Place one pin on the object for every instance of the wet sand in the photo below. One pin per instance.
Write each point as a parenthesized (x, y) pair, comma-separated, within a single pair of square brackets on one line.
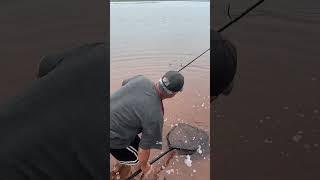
[(269, 127)]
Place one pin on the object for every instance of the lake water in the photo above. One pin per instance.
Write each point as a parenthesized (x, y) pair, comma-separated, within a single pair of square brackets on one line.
[(151, 38)]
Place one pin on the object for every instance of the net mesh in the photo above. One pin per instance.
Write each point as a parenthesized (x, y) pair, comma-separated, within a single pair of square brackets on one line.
[(187, 138)]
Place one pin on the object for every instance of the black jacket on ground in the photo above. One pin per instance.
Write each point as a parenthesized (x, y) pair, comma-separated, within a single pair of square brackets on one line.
[(56, 128)]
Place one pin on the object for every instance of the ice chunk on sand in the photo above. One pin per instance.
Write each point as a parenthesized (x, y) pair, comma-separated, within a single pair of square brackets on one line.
[(199, 150), (170, 171), (202, 105), (268, 117), (188, 161), (194, 171), (300, 115)]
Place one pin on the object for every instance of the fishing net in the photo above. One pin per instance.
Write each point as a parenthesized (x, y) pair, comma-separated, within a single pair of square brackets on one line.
[(187, 139)]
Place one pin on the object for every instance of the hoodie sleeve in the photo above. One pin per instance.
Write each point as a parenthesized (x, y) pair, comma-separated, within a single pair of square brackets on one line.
[(48, 63)]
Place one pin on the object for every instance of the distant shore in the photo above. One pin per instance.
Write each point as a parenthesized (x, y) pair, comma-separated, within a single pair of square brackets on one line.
[(156, 0)]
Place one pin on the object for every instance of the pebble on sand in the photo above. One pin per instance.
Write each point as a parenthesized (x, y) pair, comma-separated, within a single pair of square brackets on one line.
[(285, 107), (306, 146), (268, 140)]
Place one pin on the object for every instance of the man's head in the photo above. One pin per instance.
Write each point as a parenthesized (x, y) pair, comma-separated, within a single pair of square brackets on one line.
[(224, 65), (170, 84)]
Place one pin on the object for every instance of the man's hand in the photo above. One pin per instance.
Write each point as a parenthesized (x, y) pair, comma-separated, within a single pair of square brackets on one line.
[(146, 168), (151, 174)]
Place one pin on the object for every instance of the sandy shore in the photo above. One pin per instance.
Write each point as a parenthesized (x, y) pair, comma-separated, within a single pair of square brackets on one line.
[(269, 128)]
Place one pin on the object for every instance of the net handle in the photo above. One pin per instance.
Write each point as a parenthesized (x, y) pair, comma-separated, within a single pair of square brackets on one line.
[(151, 162)]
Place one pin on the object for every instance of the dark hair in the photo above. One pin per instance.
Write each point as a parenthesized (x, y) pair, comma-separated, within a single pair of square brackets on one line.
[(224, 64)]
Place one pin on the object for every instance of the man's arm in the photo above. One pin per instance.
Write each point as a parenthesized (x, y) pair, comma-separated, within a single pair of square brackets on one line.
[(143, 156)]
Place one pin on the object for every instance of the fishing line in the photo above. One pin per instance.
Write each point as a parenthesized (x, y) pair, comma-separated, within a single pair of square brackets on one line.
[(226, 26)]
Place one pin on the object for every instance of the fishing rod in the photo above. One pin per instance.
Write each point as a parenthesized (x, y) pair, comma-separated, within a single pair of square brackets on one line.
[(226, 26)]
